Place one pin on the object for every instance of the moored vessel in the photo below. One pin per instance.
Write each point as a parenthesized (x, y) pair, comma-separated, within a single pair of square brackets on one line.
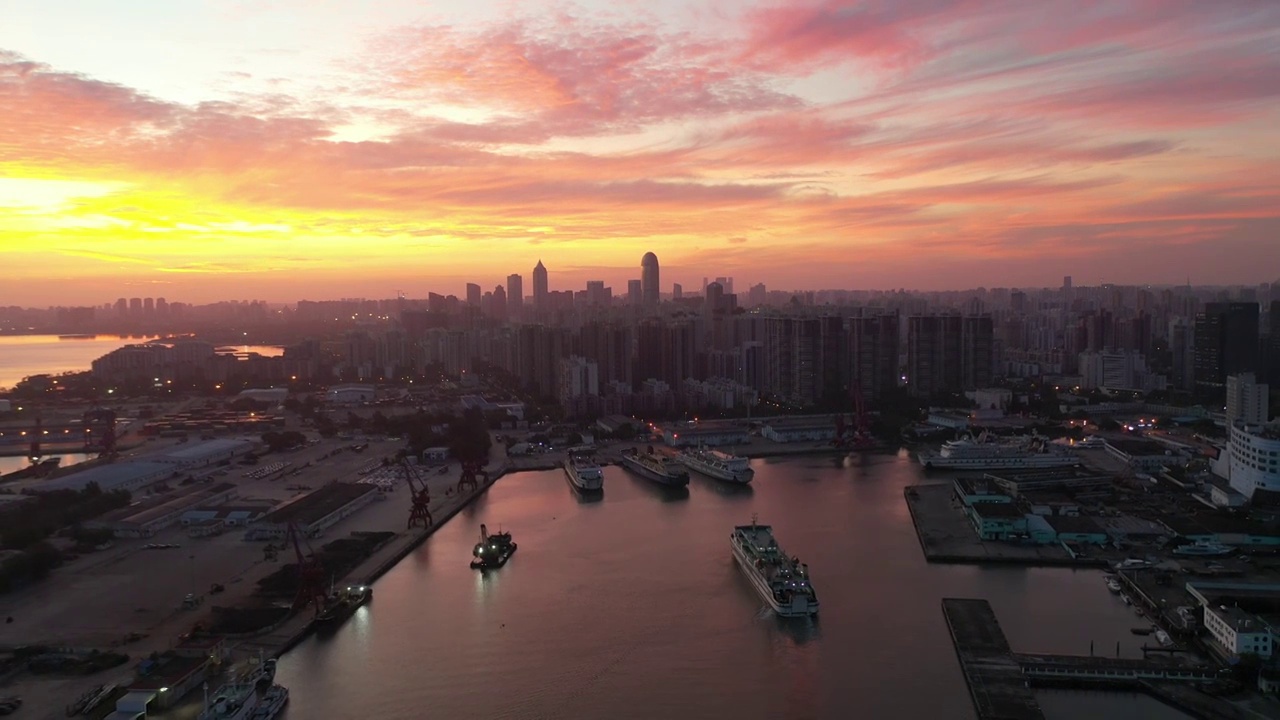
[(657, 468), (492, 551), (987, 453), (241, 698), (583, 472), (782, 581), (341, 605), (718, 465)]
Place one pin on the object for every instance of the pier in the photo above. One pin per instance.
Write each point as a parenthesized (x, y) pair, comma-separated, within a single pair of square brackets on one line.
[(999, 689)]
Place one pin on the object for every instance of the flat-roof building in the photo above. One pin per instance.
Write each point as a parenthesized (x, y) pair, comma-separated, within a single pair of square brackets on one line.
[(129, 476), (1238, 632), (709, 433), (316, 511), (145, 519), (1071, 480), (205, 453), (786, 430)]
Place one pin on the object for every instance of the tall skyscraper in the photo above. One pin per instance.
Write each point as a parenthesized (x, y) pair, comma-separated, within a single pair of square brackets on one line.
[(540, 287), (1226, 339), (677, 292), (498, 304), (515, 295), (649, 280), (473, 295), (635, 292)]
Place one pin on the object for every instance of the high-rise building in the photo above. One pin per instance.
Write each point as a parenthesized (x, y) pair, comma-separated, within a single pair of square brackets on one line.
[(649, 286), (1226, 341), (635, 292), (873, 354), (579, 377), (949, 353), (677, 292), (757, 295), (135, 307), (498, 304), (122, 307), (1182, 350), (540, 287), (149, 306), (1247, 400), (162, 307), (515, 295), (473, 294)]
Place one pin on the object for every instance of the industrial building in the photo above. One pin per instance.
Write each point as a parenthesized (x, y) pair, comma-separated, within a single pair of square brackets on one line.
[(1238, 632), (711, 433), (145, 519), (270, 396), (129, 476), (315, 512), (1019, 482), (206, 453), (1144, 455), (350, 394), (237, 515), (787, 430)]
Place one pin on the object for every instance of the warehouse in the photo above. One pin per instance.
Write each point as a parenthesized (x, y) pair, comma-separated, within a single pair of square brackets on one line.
[(129, 476), (786, 430), (316, 511), (206, 453), (707, 433), (1019, 482), (145, 519), (238, 515)]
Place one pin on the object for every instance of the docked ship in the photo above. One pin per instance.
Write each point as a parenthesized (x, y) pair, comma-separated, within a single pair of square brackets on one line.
[(253, 696), (583, 472), (651, 466), (492, 551), (719, 465), (987, 453), (342, 604), (781, 580)]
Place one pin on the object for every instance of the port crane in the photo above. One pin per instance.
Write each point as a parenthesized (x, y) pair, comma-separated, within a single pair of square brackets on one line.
[(856, 434), (470, 469), (311, 575), (420, 511)]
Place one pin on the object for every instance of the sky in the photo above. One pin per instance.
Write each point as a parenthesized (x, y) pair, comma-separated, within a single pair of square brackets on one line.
[(286, 149)]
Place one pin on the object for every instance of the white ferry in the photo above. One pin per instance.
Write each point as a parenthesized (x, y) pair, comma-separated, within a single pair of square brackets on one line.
[(986, 453), (780, 580), (583, 472), (651, 466), (719, 465)]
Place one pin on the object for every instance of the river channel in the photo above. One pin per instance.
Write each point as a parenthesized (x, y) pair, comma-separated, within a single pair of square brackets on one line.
[(631, 607)]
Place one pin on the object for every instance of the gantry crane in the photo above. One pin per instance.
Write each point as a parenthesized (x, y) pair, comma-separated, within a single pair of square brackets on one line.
[(420, 511), (311, 586)]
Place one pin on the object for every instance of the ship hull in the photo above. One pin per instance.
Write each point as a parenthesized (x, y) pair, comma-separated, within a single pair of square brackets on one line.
[(497, 561), (586, 482), (649, 473), (332, 619), (800, 607), (934, 461), (716, 473)]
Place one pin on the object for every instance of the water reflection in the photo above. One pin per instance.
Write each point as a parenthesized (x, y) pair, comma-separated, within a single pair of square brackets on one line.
[(798, 630), (719, 487), (665, 493)]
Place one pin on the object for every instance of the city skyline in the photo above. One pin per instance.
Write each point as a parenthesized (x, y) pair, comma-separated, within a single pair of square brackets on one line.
[(257, 150)]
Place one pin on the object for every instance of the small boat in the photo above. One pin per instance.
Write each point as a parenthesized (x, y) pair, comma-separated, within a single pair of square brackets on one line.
[(1163, 638), (1126, 599), (1113, 585), (1138, 611), (492, 551), (1203, 549), (1140, 631)]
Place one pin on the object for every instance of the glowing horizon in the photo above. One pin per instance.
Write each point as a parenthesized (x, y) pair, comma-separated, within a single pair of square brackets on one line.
[(287, 150)]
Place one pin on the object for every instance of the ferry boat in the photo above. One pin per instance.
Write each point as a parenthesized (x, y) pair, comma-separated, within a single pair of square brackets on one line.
[(1203, 549), (781, 580), (341, 605), (718, 465), (651, 466), (241, 698), (987, 453), (583, 473), (492, 551)]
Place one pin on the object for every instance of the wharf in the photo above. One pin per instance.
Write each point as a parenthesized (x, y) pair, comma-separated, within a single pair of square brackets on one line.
[(996, 682), (947, 536)]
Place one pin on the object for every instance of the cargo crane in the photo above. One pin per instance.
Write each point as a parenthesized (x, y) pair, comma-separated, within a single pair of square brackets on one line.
[(856, 435), (311, 585), (470, 469), (420, 511)]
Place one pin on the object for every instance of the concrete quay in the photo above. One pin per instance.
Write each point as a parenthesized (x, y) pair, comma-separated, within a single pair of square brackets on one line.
[(999, 688), (946, 535)]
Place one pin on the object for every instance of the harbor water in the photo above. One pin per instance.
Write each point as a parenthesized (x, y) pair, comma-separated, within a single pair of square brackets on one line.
[(25, 355), (630, 606)]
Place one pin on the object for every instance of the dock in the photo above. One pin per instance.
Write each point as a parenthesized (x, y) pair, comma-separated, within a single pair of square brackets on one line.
[(947, 536), (999, 688)]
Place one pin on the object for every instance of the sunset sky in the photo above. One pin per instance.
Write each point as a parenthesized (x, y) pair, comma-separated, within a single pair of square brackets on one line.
[(204, 150)]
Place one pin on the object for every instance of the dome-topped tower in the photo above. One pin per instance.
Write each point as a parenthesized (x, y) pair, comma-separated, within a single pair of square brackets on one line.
[(649, 286)]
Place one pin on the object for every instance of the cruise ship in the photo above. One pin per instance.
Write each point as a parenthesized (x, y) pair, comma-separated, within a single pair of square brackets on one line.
[(583, 472), (781, 580), (651, 466), (253, 696), (987, 453), (719, 465)]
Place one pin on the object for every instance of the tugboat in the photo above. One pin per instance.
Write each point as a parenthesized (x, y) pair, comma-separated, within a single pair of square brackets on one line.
[(341, 605), (492, 551)]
